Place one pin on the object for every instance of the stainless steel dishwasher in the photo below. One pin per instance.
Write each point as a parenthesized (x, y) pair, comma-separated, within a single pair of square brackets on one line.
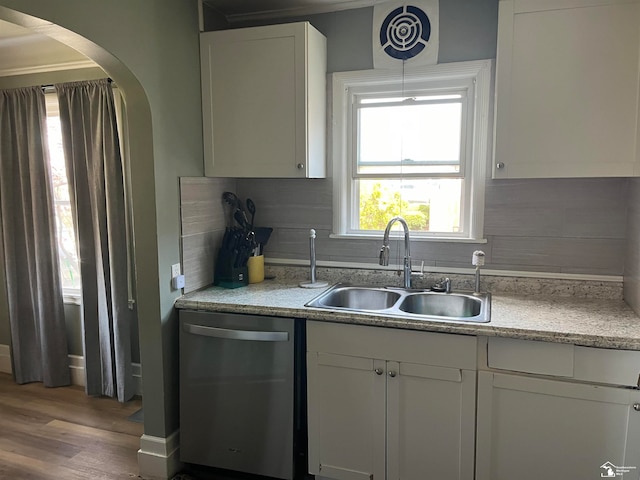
[(242, 393)]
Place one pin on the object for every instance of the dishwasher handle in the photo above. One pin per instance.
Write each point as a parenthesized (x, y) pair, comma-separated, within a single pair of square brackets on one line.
[(228, 334)]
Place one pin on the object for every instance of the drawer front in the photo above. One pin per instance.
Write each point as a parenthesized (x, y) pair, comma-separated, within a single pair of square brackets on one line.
[(586, 364), (427, 348), (542, 358), (613, 367)]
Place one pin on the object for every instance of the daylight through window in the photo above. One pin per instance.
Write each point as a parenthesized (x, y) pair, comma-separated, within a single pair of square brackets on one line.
[(65, 231)]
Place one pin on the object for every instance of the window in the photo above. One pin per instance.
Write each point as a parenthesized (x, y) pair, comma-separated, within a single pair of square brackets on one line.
[(412, 144), (65, 231)]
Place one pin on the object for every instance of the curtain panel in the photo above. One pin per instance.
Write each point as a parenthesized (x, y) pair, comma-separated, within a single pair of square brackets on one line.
[(94, 167), (34, 291)]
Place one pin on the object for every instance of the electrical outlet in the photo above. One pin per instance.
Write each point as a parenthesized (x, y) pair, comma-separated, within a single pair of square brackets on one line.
[(175, 270)]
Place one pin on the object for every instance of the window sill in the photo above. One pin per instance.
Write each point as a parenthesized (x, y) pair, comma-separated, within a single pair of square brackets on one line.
[(414, 238), (72, 298)]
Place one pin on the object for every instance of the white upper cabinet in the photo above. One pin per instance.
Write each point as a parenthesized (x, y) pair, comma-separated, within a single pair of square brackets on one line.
[(567, 84), (263, 101)]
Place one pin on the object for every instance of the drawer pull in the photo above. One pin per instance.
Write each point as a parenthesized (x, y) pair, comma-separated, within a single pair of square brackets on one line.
[(636, 407)]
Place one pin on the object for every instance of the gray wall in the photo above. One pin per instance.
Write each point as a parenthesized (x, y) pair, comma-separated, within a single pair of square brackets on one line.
[(562, 226), (73, 320), (150, 49)]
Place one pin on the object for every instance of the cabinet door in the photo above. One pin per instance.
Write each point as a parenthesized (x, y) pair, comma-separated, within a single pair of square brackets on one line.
[(346, 401), (263, 101), (430, 422), (531, 428), (567, 81), (253, 89)]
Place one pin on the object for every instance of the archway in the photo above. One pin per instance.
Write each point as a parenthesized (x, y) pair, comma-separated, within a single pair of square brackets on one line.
[(139, 132)]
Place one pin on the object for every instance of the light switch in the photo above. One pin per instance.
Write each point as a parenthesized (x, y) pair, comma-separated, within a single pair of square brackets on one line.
[(177, 282), (175, 270)]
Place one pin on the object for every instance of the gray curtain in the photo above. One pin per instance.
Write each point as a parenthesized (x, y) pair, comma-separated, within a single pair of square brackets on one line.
[(34, 291), (94, 167)]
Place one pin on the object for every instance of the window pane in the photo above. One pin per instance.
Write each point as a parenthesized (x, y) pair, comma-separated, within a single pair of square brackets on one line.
[(67, 252), (409, 139), (428, 205)]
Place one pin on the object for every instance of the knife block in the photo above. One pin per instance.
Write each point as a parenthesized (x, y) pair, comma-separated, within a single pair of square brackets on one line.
[(226, 275)]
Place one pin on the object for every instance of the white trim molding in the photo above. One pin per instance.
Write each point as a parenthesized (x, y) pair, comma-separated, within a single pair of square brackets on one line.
[(159, 457), (76, 369), (5, 359), (474, 78), (26, 70)]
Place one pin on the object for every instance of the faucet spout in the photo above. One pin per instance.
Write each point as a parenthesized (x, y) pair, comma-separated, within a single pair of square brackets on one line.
[(384, 251)]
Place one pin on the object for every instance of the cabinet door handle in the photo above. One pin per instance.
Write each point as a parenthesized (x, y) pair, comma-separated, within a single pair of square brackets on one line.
[(392, 373), (636, 407), (300, 166), (379, 371)]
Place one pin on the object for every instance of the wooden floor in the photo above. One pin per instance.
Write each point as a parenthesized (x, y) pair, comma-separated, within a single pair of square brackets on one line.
[(61, 433)]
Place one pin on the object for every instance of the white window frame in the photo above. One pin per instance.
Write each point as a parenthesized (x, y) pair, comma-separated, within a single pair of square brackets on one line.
[(474, 77)]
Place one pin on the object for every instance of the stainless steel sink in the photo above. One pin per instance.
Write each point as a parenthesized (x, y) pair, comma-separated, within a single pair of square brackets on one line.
[(356, 298), (439, 305), (407, 303)]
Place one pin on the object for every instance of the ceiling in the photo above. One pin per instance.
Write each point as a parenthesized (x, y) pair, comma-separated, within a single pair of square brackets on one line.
[(237, 10), (23, 51)]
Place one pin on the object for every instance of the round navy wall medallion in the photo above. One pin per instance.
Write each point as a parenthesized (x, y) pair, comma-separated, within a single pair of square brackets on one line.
[(405, 32)]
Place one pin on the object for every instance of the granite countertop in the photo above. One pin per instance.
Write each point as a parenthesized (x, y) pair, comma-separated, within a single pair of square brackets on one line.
[(606, 323)]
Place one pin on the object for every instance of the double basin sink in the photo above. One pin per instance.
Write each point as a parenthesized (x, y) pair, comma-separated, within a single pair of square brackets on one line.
[(407, 303)]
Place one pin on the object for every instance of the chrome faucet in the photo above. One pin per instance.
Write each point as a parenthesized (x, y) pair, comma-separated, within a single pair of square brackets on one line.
[(384, 251)]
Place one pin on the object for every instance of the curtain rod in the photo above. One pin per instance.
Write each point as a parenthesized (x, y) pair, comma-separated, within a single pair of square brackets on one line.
[(51, 87)]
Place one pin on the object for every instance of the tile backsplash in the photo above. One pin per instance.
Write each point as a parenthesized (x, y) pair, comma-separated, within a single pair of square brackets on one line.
[(203, 222), (459, 282), (549, 225), (632, 254)]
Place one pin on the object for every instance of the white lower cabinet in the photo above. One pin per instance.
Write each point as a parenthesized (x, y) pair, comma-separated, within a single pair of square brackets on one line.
[(430, 419), (529, 427), (390, 404)]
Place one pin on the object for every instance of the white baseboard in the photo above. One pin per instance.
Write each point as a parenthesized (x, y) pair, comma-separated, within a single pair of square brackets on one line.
[(76, 369), (137, 377), (158, 457), (5, 359)]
